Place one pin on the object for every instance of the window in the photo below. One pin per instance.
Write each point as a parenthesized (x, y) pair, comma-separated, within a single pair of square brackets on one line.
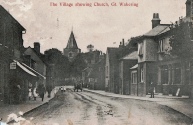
[(1, 34), (177, 74), (140, 49), (134, 77), (161, 46), (164, 74), (187, 72), (142, 75), (1, 78), (70, 54)]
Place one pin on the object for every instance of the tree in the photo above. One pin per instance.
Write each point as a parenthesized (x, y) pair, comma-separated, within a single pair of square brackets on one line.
[(58, 63), (52, 55), (77, 65), (180, 40)]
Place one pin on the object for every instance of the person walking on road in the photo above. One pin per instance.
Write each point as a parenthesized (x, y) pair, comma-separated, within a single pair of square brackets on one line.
[(41, 90), (30, 93), (152, 90), (35, 94)]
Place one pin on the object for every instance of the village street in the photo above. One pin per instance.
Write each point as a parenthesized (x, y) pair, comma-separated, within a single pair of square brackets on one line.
[(84, 108)]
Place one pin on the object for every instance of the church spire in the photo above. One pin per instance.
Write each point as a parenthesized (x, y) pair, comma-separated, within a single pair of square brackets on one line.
[(72, 42)]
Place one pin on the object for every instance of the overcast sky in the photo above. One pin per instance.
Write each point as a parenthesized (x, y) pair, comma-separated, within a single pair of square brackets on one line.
[(102, 26)]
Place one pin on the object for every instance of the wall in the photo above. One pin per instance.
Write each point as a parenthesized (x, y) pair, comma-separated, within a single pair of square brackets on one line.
[(149, 50), (39, 65), (107, 69), (125, 76), (10, 43)]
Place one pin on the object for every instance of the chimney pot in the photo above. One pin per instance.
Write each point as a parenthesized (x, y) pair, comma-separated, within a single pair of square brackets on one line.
[(37, 47), (123, 42), (155, 20)]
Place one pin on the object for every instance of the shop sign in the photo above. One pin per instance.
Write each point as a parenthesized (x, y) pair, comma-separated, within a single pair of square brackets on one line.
[(13, 65)]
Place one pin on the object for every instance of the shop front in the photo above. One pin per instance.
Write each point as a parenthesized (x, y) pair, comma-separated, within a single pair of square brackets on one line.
[(20, 79), (174, 77)]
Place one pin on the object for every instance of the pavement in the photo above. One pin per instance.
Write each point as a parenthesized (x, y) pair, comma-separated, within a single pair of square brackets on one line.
[(26, 107), (182, 105)]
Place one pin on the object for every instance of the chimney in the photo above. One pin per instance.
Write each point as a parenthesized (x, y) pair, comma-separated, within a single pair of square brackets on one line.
[(188, 8), (155, 21), (37, 47), (123, 42)]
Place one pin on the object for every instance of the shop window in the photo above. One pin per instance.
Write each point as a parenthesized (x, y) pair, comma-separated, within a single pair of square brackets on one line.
[(187, 72), (191, 66), (164, 74), (1, 34), (177, 74), (134, 77), (1, 78)]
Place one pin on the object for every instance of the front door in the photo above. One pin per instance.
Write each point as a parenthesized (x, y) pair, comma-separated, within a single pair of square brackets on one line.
[(1, 84)]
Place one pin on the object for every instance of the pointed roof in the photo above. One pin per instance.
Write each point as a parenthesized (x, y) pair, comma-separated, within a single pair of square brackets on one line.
[(2, 9), (72, 42)]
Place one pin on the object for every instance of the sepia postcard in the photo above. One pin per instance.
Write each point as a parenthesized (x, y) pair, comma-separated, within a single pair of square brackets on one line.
[(96, 62)]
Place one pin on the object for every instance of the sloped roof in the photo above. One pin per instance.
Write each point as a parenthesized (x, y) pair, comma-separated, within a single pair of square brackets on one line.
[(131, 56), (72, 42), (3, 9), (40, 55), (158, 30)]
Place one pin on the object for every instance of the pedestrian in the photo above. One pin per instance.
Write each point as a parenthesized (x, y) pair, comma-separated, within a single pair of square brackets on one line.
[(152, 90), (55, 91), (35, 94), (30, 93), (18, 94), (41, 91)]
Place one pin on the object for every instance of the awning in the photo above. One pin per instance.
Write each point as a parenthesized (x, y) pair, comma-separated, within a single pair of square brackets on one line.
[(134, 67), (24, 68), (34, 70)]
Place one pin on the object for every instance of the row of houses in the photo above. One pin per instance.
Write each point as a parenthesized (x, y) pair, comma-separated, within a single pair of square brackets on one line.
[(20, 67), (162, 55)]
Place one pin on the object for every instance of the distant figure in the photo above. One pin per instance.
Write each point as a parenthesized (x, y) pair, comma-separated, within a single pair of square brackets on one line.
[(55, 91), (35, 94), (30, 94), (152, 90), (41, 90), (17, 94)]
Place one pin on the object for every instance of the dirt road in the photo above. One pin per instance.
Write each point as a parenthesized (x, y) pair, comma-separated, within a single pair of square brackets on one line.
[(84, 108)]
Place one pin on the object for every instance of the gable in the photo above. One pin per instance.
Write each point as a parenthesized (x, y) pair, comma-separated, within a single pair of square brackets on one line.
[(34, 56)]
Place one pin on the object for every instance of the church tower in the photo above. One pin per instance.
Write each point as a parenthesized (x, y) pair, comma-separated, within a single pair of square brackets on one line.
[(71, 50), (189, 9)]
